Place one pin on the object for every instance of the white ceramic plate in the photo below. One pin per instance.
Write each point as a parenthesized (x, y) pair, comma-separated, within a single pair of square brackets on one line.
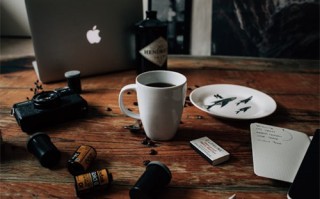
[(233, 101)]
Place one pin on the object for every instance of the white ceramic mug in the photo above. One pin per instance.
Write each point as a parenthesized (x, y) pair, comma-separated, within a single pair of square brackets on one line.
[(160, 108)]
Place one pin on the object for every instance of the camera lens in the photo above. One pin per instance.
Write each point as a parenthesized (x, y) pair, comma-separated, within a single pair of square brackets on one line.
[(46, 99)]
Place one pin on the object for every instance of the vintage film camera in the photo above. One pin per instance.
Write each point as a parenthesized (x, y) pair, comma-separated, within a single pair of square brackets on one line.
[(48, 108)]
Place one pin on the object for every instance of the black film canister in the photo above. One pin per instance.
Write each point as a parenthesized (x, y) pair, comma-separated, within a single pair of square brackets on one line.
[(156, 177), (73, 78), (40, 145)]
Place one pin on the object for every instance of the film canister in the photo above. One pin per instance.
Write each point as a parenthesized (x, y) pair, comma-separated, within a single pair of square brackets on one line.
[(40, 145), (156, 177), (93, 182), (73, 79), (81, 159)]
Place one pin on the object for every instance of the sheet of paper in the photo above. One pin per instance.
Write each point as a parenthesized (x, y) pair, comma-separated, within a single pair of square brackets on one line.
[(277, 152)]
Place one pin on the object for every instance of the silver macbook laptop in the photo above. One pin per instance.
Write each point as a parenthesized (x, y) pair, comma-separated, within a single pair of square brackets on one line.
[(92, 36), (14, 20)]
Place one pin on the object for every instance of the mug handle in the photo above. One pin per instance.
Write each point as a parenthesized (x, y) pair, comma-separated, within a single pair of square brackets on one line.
[(123, 108)]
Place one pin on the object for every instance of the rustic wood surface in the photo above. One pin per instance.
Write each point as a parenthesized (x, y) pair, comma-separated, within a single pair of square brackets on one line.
[(294, 84)]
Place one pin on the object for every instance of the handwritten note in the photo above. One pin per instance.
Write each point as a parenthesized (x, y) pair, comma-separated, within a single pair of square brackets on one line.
[(277, 152), (272, 135)]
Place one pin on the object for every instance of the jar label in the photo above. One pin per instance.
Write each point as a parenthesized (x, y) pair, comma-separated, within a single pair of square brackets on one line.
[(156, 52)]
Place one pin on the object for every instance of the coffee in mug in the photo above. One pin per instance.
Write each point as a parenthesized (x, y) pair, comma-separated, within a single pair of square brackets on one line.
[(161, 96)]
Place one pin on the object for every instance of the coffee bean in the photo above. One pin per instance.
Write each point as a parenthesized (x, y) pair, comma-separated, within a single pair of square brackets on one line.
[(145, 141), (153, 152), (151, 143), (146, 162), (133, 128)]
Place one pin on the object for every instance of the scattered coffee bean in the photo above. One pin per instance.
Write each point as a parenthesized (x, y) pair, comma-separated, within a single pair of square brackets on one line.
[(129, 109), (133, 128), (145, 141), (146, 162), (128, 93), (135, 103), (181, 122), (188, 102), (190, 89), (37, 89), (197, 86), (38, 86), (109, 109), (151, 143), (153, 152)]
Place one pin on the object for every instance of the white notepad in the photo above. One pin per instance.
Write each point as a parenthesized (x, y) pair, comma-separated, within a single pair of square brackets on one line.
[(277, 152)]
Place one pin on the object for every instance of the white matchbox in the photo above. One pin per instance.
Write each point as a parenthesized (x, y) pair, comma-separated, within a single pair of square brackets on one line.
[(211, 151)]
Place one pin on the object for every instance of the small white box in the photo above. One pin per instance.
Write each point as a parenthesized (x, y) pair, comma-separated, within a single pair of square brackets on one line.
[(210, 150)]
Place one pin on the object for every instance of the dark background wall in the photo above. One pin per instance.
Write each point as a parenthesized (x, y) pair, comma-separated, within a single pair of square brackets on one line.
[(266, 28)]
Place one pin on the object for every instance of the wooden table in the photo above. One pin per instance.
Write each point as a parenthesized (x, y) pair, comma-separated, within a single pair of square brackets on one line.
[(294, 84)]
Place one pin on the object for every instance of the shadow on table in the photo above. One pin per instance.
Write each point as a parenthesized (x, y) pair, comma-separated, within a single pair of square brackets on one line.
[(10, 152), (9, 66)]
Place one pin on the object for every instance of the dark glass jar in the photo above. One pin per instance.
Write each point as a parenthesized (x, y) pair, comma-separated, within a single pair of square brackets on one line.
[(151, 44)]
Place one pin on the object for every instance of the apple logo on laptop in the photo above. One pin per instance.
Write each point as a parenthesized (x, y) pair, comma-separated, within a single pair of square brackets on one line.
[(93, 36)]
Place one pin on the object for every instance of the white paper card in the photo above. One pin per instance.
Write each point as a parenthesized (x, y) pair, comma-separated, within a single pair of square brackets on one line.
[(277, 152), (214, 153)]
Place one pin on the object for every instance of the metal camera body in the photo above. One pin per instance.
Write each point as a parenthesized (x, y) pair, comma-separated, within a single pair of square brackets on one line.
[(48, 108)]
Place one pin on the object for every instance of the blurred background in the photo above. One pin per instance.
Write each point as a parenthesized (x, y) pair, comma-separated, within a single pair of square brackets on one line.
[(264, 28)]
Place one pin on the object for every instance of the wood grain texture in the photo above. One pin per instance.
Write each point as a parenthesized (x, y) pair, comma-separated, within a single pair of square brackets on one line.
[(294, 84)]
